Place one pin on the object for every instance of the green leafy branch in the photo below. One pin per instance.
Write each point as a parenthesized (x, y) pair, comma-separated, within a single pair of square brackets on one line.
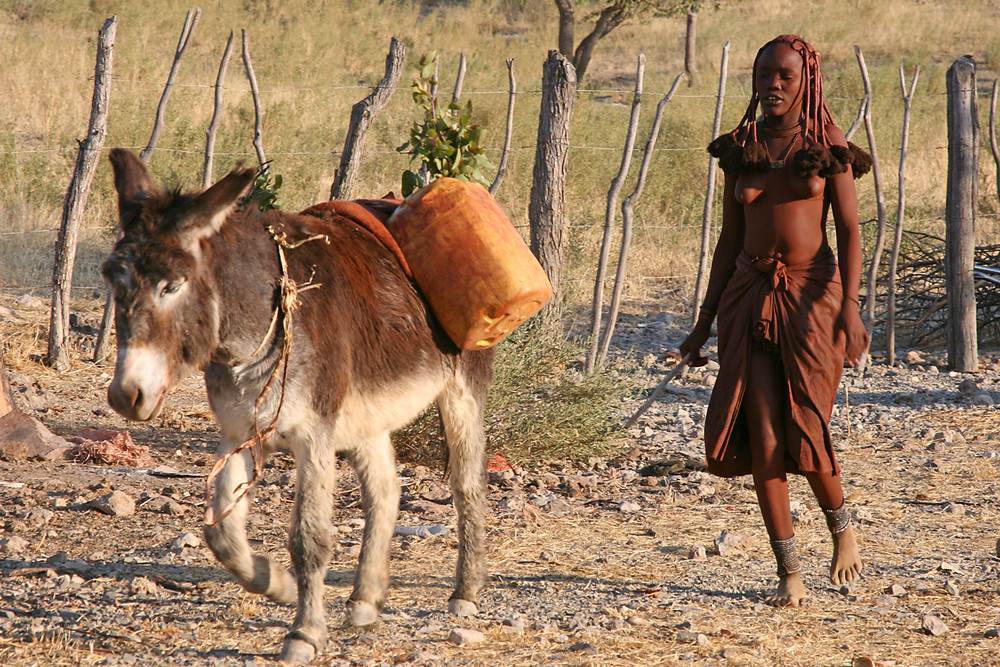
[(446, 142)]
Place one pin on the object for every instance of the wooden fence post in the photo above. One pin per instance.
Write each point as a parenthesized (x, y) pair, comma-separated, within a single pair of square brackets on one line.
[(609, 217), (960, 215), (879, 202), (890, 325), (6, 399), (362, 115), (213, 125), (547, 206), (190, 21), (701, 283), (76, 198), (502, 167)]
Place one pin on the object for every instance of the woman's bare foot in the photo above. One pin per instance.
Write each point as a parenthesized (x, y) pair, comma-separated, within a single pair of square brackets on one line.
[(791, 591), (846, 564)]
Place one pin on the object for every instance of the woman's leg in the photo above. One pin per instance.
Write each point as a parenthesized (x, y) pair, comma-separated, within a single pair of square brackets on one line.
[(764, 404), (846, 563)]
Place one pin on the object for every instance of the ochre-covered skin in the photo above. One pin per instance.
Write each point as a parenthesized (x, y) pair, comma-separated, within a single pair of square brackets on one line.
[(472, 266)]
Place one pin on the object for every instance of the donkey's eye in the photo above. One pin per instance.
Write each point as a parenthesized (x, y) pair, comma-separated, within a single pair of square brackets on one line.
[(171, 287)]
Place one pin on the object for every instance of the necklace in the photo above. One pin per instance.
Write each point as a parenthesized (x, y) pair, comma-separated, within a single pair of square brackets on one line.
[(780, 162)]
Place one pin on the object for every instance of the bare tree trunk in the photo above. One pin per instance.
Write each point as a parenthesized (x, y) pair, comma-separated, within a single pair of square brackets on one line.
[(701, 283), (960, 215), (258, 122), (628, 207), (459, 79), (690, 48), (190, 21), (363, 114), (213, 126), (890, 354), (879, 199), (547, 207), (502, 167), (610, 18), (567, 26), (76, 198), (609, 218)]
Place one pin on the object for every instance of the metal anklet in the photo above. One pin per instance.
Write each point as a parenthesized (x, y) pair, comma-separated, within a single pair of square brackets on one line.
[(786, 555), (837, 520)]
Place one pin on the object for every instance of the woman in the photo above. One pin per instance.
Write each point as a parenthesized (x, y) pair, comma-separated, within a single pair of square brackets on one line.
[(788, 309)]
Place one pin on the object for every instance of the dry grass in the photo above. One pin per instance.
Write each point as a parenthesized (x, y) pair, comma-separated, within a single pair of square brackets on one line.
[(310, 60)]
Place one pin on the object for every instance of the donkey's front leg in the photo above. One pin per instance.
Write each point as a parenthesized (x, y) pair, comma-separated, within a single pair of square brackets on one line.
[(310, 544), (375, 465), (228, 538)]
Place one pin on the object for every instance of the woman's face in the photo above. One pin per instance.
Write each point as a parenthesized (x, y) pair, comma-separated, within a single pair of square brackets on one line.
[(779, 81)]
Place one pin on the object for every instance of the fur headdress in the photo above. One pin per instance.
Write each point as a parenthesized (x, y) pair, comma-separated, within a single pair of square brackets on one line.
[(740, 151)]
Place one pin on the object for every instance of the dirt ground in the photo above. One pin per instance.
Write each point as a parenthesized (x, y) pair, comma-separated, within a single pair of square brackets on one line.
[(611, 562)]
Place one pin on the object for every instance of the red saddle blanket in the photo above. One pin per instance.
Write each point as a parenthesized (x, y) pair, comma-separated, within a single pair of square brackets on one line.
[(370, 215)]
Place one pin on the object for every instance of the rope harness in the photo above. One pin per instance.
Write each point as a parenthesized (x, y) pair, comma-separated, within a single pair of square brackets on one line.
[(287, 304)]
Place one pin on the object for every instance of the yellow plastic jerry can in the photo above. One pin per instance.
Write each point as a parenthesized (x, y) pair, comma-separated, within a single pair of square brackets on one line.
[(472, 266)]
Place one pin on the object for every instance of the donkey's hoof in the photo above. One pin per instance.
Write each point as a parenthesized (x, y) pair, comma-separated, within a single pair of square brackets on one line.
[(462, 608), (297, 651), (360, 613)]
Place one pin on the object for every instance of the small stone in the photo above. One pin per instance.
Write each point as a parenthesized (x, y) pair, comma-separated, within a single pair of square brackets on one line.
[(115, 503), (629, 507), (637, 621), (967, 387), (143, 587), (421, 657), (13, 545), (39, 517), (513, 625), (933, 625), (982, 398), (896, 590), (688, 637), (584, 647), (185, 540), (950, 588), (462, 636), (660, 532), (728, 543), (992, 633), (697, 552)]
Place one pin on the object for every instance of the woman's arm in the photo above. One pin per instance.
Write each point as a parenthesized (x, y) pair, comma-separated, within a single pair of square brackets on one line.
[(844, 204), (727, 249)]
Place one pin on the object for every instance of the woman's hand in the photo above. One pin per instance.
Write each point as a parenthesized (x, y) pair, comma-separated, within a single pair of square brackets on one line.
[(850, 326), (693, 343)]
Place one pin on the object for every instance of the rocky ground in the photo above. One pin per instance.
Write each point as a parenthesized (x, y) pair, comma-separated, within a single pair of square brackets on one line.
[(636, 558)]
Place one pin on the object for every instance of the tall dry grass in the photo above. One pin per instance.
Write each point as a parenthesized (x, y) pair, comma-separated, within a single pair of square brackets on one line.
[(313, 60)]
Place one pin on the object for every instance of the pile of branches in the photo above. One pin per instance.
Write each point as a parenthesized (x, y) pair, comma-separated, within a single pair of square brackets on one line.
[(921, 297)]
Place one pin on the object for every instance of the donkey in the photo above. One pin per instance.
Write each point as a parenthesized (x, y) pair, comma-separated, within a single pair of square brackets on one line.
[(198, 284)]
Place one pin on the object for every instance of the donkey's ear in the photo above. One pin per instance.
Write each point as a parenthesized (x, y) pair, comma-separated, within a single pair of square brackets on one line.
[(131, 181), (214, 204)]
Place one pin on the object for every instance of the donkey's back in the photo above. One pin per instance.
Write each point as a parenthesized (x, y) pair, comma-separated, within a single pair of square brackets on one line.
[(312, 338)]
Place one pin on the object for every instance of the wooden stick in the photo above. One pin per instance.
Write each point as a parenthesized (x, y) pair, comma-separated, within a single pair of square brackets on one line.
[(609, 218), (206, 176), (701, 283), (890, 354), (627, 216), (258, 131), (858, 120), (993, 132), (502, 168), (363, 113), (879, 200), (190, 21), (459, 79), (671, 376), (75, 202)]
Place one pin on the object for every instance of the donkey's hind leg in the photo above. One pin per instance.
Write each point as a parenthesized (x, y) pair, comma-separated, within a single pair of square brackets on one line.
[(375, 465), (228, 538), (310, 543), (461, 404)]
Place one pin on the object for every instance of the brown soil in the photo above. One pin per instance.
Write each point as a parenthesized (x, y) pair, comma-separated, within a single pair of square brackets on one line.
[(596, 559)]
